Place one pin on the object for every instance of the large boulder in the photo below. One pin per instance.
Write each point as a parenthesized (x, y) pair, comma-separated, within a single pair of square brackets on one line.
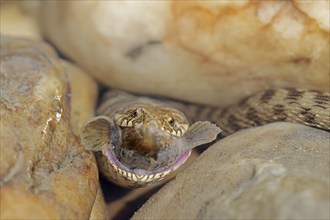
[(213, 52), (277, 171), (45, 171), (20, 18)]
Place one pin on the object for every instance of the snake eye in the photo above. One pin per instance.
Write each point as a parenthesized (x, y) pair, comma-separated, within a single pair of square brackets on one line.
[(134, 114), (171, 121)]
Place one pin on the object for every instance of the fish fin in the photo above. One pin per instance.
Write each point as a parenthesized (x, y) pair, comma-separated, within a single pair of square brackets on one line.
[(201, 132), (99, 132)]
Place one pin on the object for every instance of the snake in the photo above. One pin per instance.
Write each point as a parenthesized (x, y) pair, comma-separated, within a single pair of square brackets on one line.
[(140, 140)]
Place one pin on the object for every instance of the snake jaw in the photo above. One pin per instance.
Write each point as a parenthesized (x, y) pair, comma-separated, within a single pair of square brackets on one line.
[(199, 133), (135, 178), (103, 135)]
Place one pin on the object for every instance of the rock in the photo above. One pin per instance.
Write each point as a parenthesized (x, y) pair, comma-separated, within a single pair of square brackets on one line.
[(45, 171), (212, 52), (20, 18), (99, 210), (278, 171), (84, 93)]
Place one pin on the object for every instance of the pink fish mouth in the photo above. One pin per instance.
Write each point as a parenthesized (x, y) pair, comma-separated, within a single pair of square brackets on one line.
[(162, 170)]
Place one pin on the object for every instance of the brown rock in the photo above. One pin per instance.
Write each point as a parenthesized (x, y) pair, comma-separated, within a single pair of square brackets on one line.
[(278, 171), (212, 52), (45, 171)]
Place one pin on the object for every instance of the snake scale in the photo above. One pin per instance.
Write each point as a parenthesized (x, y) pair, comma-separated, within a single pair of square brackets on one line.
[(140, 140)]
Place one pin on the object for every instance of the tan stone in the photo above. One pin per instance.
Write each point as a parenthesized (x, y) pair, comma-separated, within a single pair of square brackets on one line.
[(20, 18), (45, 171), (213, 52), (99, 210), (83, 98), (278, 171)]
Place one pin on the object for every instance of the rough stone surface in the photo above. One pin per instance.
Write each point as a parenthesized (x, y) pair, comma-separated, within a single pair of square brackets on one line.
[(213, 52), (45, 171), (278, 171)]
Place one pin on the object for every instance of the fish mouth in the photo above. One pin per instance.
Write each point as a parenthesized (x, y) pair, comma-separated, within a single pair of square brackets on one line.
[(144, 177)]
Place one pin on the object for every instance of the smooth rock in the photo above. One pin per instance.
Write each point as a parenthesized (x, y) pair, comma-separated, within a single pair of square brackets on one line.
[(212, 52), (45, 171), (278, 171), (20, 18), (84, 94)]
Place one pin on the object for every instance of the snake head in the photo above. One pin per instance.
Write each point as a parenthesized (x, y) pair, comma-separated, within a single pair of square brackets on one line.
[(140, 154), (166, 119)]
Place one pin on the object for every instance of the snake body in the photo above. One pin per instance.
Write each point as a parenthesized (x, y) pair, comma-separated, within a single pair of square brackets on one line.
[(308, 107), (141, 140)]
